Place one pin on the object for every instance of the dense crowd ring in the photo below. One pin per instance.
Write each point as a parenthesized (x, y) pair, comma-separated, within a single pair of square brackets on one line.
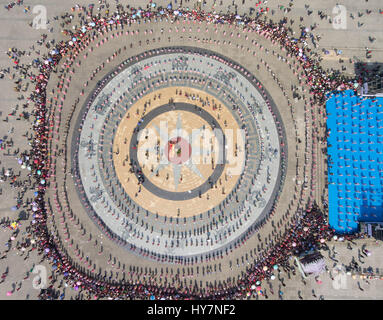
[(308, 226)]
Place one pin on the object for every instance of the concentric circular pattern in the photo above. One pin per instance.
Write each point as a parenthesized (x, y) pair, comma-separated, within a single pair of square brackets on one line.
[(122, 83), (194, 90)]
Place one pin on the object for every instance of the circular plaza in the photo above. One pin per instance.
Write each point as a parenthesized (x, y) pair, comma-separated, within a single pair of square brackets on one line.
[(171, 138), (176, 148)]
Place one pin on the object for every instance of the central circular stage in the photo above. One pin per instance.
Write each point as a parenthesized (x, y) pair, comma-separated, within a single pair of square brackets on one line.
[(182, 140)]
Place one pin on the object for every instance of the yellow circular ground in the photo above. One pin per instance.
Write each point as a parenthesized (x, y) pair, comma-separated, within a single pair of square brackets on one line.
[(165, 178), (188, 178)]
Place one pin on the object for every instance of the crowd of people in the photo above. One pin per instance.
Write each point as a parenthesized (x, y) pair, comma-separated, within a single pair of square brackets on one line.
[(309, 230), (309, 233)]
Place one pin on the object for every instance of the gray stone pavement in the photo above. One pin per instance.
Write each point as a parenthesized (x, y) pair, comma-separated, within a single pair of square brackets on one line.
[(335, 283), (19, 34)]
